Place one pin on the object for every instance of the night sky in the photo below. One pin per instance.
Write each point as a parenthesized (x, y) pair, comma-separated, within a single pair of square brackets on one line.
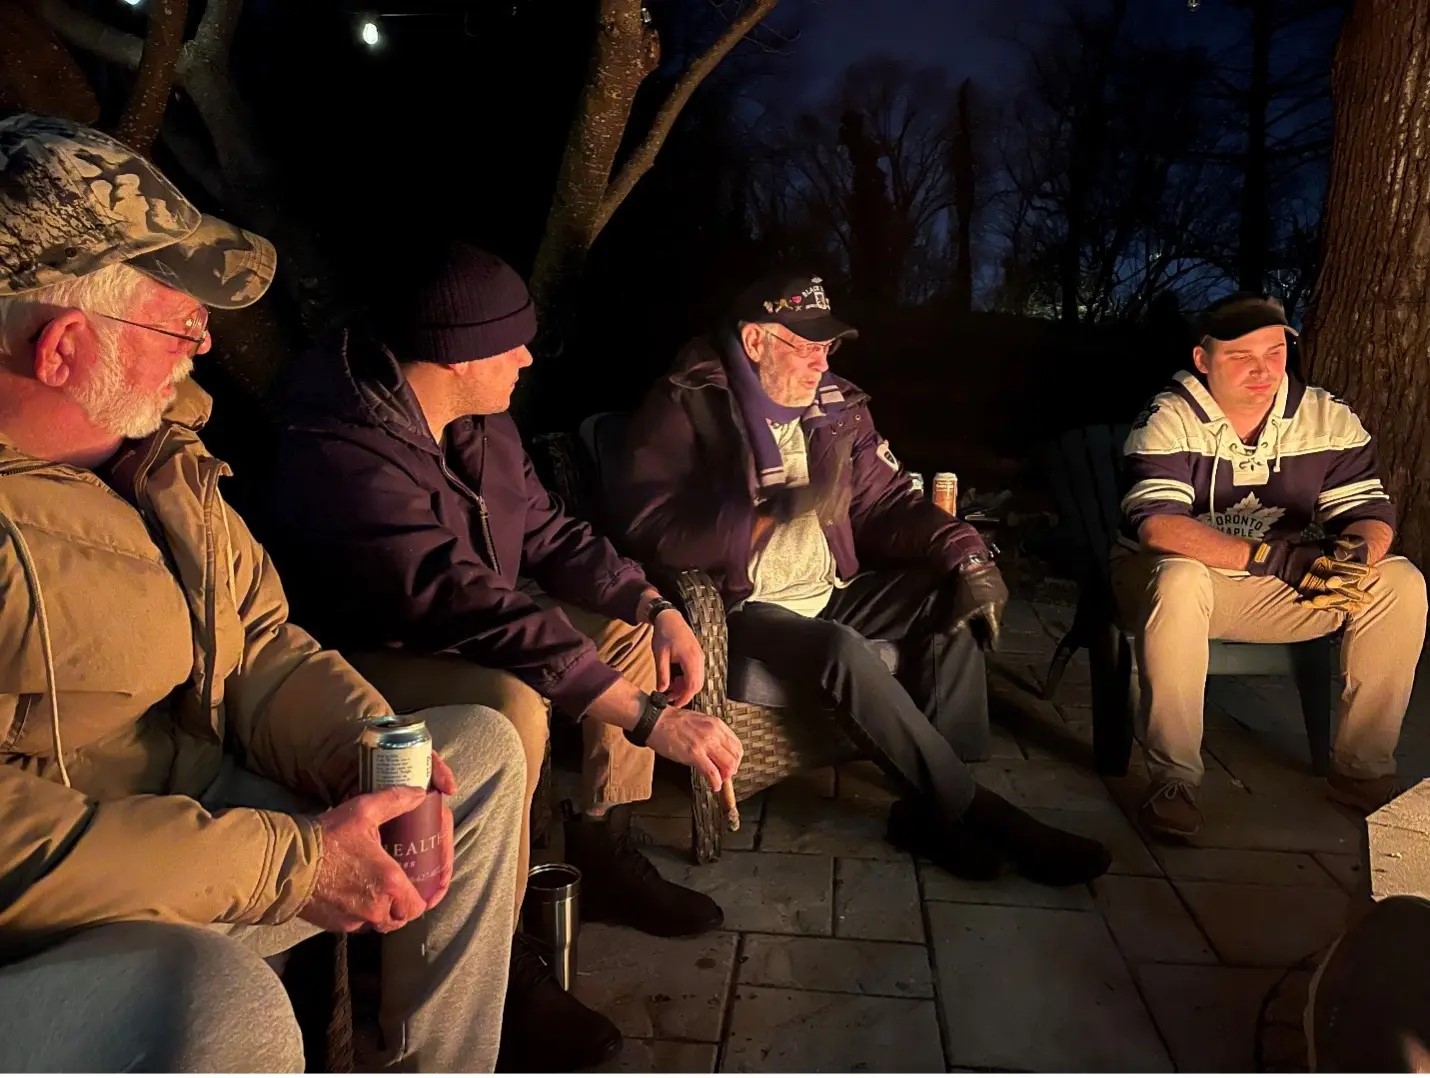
[(970, 38)]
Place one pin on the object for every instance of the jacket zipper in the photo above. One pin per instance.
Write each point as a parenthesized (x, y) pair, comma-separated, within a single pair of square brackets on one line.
[(211, 471), (481, 509)]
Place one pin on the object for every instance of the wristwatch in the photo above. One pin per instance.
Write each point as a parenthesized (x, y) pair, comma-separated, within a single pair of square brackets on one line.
[(658, 607), (973, 561), (655, 704)]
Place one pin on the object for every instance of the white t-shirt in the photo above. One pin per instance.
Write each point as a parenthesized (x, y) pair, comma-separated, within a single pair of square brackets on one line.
[(795, 568)]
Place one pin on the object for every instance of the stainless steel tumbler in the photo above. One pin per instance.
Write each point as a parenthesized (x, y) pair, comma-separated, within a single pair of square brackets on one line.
[(551, 915)]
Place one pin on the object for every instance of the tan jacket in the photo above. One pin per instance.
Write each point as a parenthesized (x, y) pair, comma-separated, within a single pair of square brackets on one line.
[(170, 646)]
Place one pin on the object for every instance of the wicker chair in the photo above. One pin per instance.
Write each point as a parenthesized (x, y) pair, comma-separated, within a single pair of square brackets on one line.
[(779, 739)]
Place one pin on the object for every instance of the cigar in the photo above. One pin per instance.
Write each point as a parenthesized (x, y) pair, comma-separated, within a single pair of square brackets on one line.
[(732, 810)]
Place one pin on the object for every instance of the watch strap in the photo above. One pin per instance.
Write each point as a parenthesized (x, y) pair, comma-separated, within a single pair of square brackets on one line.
[(657, 608), (655, 704)]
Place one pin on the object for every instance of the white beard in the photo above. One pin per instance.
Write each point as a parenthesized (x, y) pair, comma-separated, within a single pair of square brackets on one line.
[(115, 406)]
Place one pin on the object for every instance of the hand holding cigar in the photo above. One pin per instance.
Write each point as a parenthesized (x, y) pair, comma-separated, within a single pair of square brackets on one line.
[(696, 739)]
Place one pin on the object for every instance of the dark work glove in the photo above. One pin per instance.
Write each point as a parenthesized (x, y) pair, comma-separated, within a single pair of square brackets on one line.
[(977, 601), (1288, 560), (1350, 548)]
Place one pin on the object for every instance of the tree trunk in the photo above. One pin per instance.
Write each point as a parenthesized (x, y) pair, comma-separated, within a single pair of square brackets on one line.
[(586, 195), (163, 44), (625, 52), (1085, 159), (963, 200), (1255, 239), (874, 279), (1368, 335)]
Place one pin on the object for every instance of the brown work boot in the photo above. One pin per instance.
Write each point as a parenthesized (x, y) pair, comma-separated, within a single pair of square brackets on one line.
[(1170, 811), (1363, 795)]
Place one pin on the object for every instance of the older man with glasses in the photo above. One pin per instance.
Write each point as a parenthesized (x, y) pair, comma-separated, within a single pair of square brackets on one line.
[(752, 461), (179, 792)]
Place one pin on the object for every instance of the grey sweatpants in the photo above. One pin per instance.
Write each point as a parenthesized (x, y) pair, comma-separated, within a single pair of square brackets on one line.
[(158, 997)]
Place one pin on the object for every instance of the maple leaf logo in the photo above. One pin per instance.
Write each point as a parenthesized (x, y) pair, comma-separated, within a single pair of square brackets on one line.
[(1247, 519)]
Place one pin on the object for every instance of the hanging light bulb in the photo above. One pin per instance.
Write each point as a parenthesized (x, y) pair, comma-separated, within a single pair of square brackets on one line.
[(1192, 5), (369, 33)]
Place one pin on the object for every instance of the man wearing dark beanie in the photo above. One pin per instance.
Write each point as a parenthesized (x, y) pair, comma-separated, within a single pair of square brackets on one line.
[(405, 510)]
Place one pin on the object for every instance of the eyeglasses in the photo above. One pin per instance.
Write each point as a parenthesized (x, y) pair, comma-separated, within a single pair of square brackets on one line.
[(807, 349), (199, 321)]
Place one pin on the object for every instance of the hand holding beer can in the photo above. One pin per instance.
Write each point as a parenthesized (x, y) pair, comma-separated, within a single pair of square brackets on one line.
[(397, 751)]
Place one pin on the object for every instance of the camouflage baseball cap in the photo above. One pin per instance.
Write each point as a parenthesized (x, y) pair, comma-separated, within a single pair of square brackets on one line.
[(73, 200)]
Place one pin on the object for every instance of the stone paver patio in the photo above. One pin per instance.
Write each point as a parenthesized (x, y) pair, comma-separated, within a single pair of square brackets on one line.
[(839, 953)]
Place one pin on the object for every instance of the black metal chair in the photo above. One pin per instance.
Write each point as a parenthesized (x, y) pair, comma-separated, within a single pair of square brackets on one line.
[(1085, 469)]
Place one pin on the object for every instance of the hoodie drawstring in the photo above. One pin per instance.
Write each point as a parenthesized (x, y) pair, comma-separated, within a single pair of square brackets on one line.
[(32, 580), (1216, 460)]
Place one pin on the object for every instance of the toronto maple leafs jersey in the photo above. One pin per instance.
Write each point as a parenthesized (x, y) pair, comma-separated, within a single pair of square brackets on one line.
[(1312, 462)]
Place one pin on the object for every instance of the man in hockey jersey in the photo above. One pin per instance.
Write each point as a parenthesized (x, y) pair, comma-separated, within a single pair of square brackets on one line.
[(1226, 470)]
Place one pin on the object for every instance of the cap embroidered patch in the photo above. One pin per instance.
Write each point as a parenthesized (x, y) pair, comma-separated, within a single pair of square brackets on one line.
[(811, 298)]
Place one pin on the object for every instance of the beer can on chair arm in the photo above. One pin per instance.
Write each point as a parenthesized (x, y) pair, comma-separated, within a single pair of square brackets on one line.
[(945, 492), (397, 751), (916, 480)]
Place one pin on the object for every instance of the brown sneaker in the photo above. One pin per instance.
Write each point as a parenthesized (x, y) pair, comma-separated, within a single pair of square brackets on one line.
[(1170, 811), (1363, 795)]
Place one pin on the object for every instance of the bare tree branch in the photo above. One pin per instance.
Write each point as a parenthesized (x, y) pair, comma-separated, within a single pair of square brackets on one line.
[(217, 27), (92, 35), (643, 156)]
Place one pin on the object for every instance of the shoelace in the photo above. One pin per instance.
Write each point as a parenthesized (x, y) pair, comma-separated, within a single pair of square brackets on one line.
[(1171, 791)]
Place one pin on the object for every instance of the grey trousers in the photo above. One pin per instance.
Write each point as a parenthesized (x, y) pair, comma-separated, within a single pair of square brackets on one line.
[(156, 997)]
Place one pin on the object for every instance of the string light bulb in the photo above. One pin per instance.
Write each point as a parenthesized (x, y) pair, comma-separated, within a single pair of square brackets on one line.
[(370, 34)]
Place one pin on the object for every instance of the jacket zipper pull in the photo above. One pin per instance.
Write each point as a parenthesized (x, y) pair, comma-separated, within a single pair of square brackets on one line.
[(487, 533)]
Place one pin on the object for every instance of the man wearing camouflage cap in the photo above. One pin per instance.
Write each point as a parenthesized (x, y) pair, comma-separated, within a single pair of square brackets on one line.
[(169, 741)]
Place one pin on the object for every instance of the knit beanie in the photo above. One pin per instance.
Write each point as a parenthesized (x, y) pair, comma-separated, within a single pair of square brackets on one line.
[(464, 304)]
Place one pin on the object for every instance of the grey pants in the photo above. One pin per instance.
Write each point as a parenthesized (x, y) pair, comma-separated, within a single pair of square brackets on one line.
[(915, 742), (156, 997)]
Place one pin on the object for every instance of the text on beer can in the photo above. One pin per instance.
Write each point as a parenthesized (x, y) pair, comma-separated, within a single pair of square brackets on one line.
[(395, 751)]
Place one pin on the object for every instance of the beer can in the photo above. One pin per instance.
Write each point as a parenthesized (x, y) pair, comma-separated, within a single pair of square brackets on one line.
[(945, 492), (394, 751), (397, 751), (916, 480)]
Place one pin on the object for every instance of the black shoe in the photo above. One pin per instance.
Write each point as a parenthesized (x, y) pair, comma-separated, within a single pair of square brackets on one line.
[(544, 1027), (1039, 852), (959, 850), (620, 886)]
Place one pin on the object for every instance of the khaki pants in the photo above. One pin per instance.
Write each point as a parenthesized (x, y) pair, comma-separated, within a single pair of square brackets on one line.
[(1176, 605), (614, 772)]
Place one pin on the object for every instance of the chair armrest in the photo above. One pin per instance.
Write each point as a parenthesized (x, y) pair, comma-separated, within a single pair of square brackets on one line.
[(705, 612)]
